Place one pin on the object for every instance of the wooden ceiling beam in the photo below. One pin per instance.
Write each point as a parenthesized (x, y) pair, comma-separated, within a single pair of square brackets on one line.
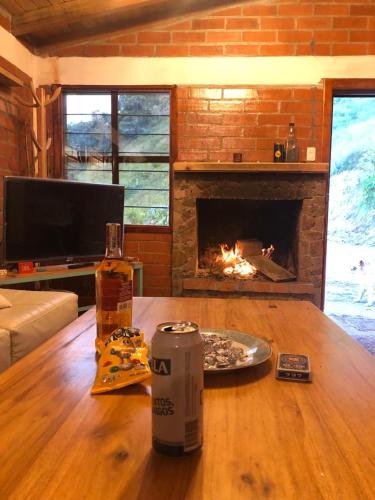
[(106, 16), (73, 11)]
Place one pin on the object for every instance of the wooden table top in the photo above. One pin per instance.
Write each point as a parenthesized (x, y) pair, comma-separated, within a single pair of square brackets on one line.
[(263, 438)]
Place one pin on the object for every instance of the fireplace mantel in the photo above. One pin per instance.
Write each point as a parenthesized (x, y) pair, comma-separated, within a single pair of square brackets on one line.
[(250, 167)]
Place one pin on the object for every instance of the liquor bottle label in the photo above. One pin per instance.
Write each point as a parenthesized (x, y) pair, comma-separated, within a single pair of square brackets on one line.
[(116, 294)]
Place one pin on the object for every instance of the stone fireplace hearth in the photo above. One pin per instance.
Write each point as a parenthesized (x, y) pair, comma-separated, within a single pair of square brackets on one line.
[(283, 208)]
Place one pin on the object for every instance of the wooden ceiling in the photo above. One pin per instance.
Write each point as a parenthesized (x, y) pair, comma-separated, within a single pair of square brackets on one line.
[(47, 24)]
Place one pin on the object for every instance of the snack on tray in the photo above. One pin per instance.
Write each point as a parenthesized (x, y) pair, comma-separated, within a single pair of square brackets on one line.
[(123, 361)]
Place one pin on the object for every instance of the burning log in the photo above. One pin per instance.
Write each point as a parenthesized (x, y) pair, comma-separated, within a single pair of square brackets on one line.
[(270, 269)]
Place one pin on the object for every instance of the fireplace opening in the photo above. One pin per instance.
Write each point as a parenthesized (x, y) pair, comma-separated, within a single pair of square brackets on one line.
[(256, 224)]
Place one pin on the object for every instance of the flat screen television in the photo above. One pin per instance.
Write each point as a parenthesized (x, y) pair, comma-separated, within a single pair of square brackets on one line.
[(57, 221)]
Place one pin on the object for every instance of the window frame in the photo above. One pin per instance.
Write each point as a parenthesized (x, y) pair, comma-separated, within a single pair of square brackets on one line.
[(114, 90)]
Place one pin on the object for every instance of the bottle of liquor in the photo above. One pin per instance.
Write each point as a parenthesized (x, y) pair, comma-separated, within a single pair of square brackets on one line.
[(114, 288), (291, 146)]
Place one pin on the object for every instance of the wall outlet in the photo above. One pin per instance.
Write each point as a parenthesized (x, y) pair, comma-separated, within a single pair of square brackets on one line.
[(310, 154)]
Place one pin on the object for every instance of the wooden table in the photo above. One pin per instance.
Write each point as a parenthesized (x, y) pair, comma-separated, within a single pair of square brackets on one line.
[(263, 438)]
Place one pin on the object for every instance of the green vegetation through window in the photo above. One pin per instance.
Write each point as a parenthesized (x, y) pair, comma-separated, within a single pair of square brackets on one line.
[(122, 138)]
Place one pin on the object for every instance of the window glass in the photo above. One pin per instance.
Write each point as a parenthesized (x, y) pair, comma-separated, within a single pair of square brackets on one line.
[(131, 147)]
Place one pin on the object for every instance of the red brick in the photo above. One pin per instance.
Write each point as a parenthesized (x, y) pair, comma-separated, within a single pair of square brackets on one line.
[(371, 49), (325, 9), (259, 10), (267, 144), (349, 49), (156, 247), (238, 143), (350, 22), (156, 281), (126, 38), (181, 26), (192, 155), (137, 50), (362, 10), (239, 93), (76, 51), (331, 36), (209, 118), (240, 118), (220, 155), (261, 106), (275, 94), (362, 36), (158, 270), (196, 130), (226, 105), (188, 37), (241, 50), (206, 93), (223, 36), (192, 105), (151, 258), (172, 50), (154, 37), (208, 24), (277, 23), (241, 23), (140, 236), (157, 292), (206, 50), (371, 22), (295, 10), (230, 11), (322, 49), (277, 50), (274, 119), (182, 92), (102, 50), (202, 142), (303, 49), (259, 36), (304, 94), (296, 107), (294, 36), (263, 131), (258, 155), (225, 130), (314, 22)]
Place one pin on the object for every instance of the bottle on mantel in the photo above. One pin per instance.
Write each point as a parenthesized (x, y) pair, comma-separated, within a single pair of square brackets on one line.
[(114, 288), (291, 146)]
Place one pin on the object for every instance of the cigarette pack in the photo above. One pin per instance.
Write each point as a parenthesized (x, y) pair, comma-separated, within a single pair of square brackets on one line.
[(293, 367)]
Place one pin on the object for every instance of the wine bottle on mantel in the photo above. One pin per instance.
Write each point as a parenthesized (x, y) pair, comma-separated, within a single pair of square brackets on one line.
[(114, 288), (291, 146)]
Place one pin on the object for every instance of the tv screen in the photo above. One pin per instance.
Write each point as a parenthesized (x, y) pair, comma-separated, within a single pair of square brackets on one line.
[(59, 221)]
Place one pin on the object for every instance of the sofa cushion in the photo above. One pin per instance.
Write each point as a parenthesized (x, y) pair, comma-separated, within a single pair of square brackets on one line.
[(34, 317), (4, 302), (4, 349)]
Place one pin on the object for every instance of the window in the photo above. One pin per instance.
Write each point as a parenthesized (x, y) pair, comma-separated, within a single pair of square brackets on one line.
[(122, 137)]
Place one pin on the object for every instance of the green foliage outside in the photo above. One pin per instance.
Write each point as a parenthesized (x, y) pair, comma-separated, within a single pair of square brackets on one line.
[(143, 131), (352, 189)]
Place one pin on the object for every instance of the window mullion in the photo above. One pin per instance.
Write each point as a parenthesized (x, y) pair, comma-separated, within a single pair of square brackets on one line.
[(115, 138)]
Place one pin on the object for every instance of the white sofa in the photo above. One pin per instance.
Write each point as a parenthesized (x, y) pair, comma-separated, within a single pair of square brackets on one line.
[(32, 318)]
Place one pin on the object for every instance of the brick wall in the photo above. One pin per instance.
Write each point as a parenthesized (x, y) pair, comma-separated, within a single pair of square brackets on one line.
[(262, 28), (15, 147), (154, 250), (215, 122)]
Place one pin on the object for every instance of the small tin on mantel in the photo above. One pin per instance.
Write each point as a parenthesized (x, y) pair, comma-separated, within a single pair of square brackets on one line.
[(237, 157), (278, 152)]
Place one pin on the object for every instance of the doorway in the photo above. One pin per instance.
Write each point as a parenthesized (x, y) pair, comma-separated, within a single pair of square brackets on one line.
[(350, 260)]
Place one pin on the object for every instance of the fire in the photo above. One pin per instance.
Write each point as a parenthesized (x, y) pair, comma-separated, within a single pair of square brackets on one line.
[(234, 263)]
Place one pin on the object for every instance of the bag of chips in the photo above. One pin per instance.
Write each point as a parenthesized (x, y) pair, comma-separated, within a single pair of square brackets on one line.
[(123, 361)]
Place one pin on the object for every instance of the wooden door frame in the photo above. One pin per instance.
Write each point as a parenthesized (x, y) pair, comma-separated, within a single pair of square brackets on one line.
[(354, 86)]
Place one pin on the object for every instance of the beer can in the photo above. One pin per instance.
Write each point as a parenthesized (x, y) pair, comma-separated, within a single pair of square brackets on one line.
[(177, 388)]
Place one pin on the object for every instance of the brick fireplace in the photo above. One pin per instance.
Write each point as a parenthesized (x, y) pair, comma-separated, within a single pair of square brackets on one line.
[(283, 208)]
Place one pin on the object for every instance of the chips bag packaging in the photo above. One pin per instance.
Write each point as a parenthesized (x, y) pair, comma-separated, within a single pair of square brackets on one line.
[(123, 361)]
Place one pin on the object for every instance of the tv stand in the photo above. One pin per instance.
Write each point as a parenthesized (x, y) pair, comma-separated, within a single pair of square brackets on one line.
[(37, 277), (79, 265)]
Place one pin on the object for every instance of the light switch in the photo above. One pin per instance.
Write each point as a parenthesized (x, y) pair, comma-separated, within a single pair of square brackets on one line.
[(310, 154)]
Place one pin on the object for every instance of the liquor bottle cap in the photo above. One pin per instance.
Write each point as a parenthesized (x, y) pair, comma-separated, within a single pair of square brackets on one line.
[(291, 124)]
